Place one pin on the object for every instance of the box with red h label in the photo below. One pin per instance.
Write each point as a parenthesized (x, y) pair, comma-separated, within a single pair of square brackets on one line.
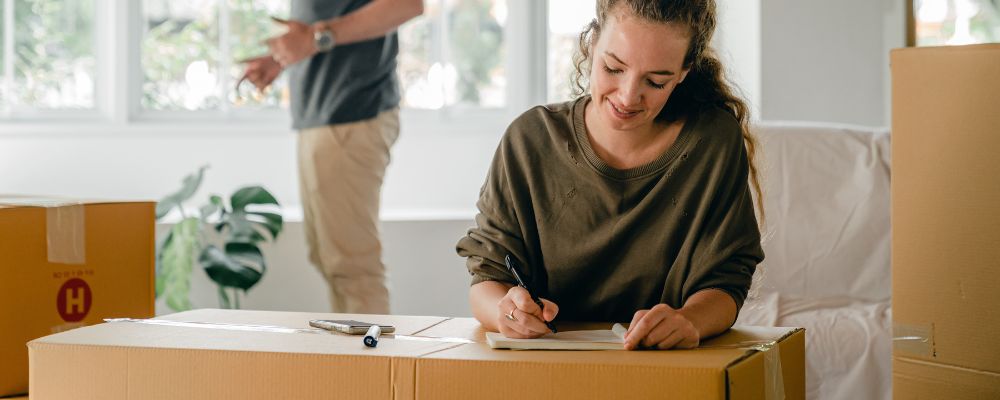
[(67, 263)]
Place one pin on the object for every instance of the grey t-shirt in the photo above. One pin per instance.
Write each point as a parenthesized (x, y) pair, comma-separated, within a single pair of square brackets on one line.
[(352, 82)]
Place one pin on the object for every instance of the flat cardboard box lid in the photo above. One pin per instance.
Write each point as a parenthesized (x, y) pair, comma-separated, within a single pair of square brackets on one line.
[(19, 201), (139, 354), (217, 337), (717, 353)]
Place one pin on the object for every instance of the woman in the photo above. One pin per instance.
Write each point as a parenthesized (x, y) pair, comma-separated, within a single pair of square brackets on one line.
[(630, 203)]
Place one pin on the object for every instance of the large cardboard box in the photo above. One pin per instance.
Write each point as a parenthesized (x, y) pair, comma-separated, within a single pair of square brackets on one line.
[(65, 264), (244, 354), (946, 222)]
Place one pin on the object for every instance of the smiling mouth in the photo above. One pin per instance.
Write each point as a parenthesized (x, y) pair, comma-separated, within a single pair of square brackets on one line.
[(620, 112)]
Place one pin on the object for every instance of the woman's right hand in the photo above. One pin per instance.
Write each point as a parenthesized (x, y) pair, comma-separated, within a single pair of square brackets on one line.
[(519, 317)]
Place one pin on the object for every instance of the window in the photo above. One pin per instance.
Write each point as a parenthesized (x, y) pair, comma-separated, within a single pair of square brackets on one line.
[(954, 22), (567, 18), (454, 55), (190, 50), (47, 56), (153, 61)]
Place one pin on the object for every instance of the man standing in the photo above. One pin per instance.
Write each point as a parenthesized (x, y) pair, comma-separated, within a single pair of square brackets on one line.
[(341, 57)]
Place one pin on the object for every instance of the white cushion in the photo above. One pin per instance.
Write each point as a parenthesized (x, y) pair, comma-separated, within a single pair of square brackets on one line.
[(826, 199)]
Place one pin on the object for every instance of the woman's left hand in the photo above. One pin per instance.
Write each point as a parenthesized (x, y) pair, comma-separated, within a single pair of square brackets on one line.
[(661, 327)]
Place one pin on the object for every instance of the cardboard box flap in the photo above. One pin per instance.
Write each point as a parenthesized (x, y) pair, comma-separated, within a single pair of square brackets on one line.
[(229, 330), (916, 379), (142, 360), (16, 201), (222, 360), (405, 325), (946, 204), (677, 374)]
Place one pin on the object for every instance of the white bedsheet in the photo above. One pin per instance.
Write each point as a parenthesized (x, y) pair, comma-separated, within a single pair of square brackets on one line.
[(826, 242), (848, 343)]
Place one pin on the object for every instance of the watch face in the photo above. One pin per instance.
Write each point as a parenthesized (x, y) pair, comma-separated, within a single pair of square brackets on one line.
[(324, 41)]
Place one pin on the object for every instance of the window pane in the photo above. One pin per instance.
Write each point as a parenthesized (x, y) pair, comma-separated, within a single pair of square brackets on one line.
[(179, 55), (250, 25), (476, 33), (956, 22), (3, 64), (54, 55), (417, 53), (566, 19), (454, 55)]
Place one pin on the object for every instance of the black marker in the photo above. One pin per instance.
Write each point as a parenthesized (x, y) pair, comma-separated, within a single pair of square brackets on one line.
[(371, 338), (512, 267)]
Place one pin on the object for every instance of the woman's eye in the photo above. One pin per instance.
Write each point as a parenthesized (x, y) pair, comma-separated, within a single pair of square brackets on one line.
[(656, 85), (612, 71)]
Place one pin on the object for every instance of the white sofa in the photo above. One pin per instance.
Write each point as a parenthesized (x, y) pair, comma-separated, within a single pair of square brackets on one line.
[(827, 253)]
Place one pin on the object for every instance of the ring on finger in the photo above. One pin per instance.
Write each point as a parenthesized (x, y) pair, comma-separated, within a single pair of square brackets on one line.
[(511, 316)]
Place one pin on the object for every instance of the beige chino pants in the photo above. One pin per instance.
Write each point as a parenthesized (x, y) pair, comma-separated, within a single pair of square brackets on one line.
[(341, 168)]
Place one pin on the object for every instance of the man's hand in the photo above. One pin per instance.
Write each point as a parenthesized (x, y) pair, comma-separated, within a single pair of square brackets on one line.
[(663, 328), (295, 45), (260, 71)]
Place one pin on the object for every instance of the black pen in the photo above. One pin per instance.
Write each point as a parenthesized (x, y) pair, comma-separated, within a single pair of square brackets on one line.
[(512, 267)]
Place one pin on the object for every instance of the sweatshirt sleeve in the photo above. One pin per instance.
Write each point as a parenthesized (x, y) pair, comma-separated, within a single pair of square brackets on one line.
[(497, 231), (729, 247)]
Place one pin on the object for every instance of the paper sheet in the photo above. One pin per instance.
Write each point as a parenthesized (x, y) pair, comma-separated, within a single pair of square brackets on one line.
[(570, 340)]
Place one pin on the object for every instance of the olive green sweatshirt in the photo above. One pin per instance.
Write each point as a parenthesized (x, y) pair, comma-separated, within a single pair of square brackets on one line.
[(603, 243)]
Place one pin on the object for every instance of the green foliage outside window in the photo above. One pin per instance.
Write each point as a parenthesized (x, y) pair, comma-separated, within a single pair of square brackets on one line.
[(477, 44), (53, 54)]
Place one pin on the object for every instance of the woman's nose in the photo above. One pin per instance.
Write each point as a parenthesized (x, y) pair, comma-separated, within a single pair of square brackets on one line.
[(630, 94)]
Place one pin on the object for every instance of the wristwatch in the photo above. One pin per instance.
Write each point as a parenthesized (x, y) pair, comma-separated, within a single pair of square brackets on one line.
[(324, 39)]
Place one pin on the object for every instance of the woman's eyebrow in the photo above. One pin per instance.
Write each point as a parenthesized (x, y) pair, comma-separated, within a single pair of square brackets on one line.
[(663, 72)]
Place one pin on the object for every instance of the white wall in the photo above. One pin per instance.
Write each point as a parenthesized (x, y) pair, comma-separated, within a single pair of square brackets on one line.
[(426, 277), (828, 60), (430, 171), (738, 42)]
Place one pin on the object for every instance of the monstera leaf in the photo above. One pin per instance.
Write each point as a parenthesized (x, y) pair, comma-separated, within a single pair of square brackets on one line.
[(175, 262), (188, 188), (247, 226), (240, 266), (235, 265)]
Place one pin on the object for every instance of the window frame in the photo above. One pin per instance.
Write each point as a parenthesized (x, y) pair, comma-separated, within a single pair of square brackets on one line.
[(117, 110)]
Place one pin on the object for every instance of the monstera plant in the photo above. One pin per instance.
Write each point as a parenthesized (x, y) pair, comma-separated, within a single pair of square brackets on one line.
[(232, 258)]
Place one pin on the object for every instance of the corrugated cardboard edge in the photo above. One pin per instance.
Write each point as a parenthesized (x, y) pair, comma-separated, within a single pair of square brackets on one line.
[(743, 374), (169, 374), (918, 379), (504, 380)]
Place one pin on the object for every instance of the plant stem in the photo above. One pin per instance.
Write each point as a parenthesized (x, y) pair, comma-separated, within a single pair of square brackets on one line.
[(223, 298), (236, 299)]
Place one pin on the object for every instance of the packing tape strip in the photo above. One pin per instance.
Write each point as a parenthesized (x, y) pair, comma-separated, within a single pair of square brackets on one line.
[(272, 328), (774, 378), (65, 235), (65, 231), (915, 340)]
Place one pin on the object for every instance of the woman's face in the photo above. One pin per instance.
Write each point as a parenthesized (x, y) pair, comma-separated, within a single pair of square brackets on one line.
[(636, 65)]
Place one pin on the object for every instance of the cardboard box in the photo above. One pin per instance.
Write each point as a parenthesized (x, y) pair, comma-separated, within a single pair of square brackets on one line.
[(129, 360), (946, 221), (65, 264)]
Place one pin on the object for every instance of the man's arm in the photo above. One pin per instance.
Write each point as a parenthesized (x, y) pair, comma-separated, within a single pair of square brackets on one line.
[(373, 20)]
